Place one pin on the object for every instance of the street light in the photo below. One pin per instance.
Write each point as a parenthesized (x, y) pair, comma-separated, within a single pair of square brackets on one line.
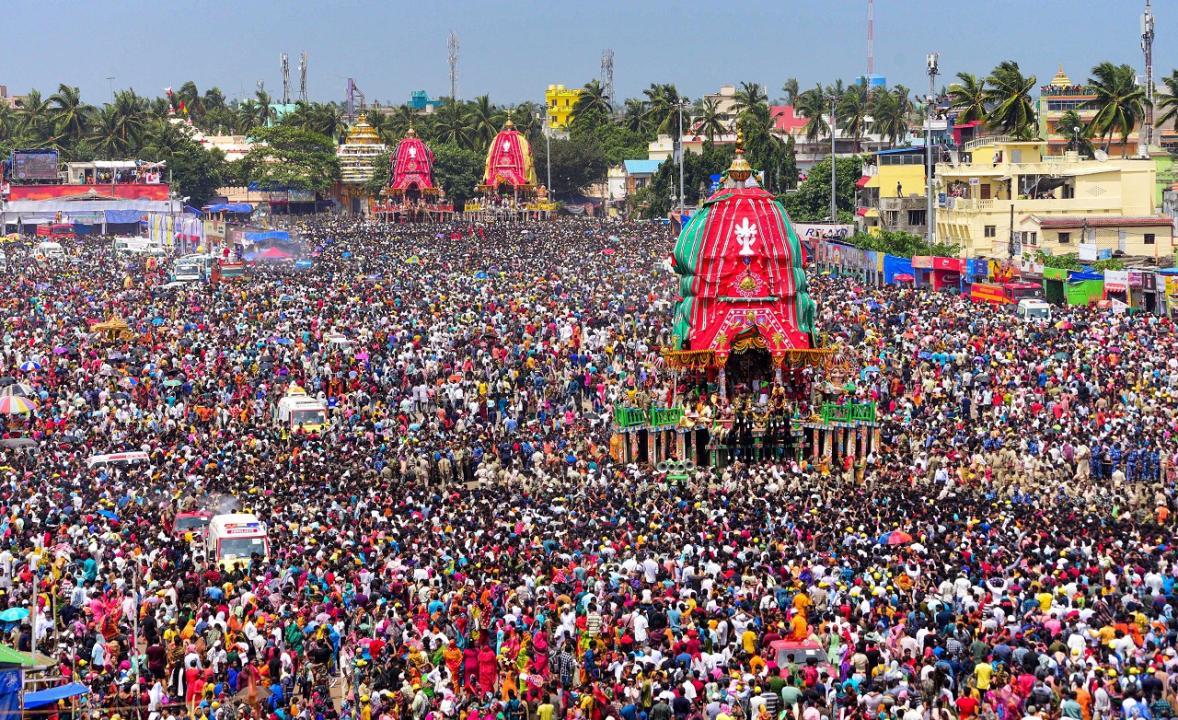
[(547, 149), (679, 143), (932, 63)]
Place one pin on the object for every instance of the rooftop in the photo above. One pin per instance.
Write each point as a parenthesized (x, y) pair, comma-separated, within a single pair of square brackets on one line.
[(1066, 223), (642, 167)]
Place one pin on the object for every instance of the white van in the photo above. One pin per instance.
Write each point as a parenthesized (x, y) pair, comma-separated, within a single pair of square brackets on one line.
[(138, 246), (192, 268), (49, 250), (232, 540), (299, 411), (1030, 309), (123, 458)]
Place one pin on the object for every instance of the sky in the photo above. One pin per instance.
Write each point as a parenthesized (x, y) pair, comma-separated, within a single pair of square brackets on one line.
[(513, 49)]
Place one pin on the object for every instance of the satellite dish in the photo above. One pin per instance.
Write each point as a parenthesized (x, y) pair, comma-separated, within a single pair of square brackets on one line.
[(1100, 155)]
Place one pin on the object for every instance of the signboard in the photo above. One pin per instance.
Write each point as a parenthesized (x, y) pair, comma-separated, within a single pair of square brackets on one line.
[(1172, 291), (242, 528), (1135, 278), (1116, 280), (822, 231), (34, 164), (1088, 252)]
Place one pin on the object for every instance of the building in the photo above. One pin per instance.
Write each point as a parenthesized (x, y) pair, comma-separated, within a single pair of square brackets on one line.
[(1093, 237), (420, 101), (786, 121), (12, 101), (1061, 95), (357, 160), (891, 193), (615, 184), (725, 100), (560, 102), (992, 182), (639, 173)]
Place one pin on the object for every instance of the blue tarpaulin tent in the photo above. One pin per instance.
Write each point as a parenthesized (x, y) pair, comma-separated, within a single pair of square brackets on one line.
[(264, 235), (41, 698)]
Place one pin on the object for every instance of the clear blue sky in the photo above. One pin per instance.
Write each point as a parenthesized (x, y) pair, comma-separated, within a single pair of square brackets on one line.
[(512, 49)]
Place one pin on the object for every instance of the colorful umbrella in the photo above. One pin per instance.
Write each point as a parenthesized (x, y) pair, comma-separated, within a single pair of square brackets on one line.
[(16, 405), (895, 537), (22, 389), (30, 366)]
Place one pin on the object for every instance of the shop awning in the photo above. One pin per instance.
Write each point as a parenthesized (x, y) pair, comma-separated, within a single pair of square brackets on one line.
[(869, 181), (41, 698)]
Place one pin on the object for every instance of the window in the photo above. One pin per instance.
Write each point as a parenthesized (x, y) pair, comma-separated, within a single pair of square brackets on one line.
[(916, 217), (991, 231), (1065, 238), (1031, 238), (1149, 238), (1016, 156)]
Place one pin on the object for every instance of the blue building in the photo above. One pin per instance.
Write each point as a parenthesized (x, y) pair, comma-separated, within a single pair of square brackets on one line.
[(420, 101)]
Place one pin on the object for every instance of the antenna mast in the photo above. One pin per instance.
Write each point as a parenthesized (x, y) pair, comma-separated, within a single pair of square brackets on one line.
[(303, 76), (607, 75), (284, 62), (452, 51), (1147, 48), (870, 38)]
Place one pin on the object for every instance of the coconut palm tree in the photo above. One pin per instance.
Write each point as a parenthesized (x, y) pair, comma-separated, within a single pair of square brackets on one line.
[(1078, 132), (749, 96), (1119, 103), (852, 112), (1009, 100), (812, 105), (129, 117), (662, 108), (592, 102), (526, 118), (265, 108), (634, 116), (483, 120), (790, 88), (162, 139), (193, 103), (452, 125), (35, 115), (888, 117), (247, 115), (1169, 101), (968, 97), (105, 133), (709, 121), (70, 116)]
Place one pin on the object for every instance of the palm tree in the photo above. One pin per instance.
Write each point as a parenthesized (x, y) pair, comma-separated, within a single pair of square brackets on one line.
[(162, 139), (193, 102), (1119, 103), (813, 106), (1009, 99), (129, 115), (852, 112), (1078, 133), (749, 96), (71, 117), (790, 88), (634, 116), (264, 108), (968, 97), (900, 94), (709, 120), (327, 119), (452, 125), (247, 115), (662, 110), (592, 102), (34, 115), (526, 117), (888, 117), (104, 133), (1169, 101), (483, 120)]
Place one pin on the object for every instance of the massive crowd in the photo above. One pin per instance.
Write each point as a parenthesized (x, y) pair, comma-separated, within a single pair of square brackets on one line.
[(458, 543)]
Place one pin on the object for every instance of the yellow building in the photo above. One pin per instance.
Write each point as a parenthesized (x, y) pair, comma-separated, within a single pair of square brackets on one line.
[(1061, 95), (892, 193), (561, 101), (995, 187)]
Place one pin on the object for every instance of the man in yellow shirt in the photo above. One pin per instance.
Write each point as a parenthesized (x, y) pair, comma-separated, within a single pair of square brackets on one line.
[(983, 671)]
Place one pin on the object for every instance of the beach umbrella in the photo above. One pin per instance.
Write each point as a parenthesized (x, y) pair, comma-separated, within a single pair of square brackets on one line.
[(30, 366), (16, 405), (128, 382), (172, 382), (895, 537), (22, 389), (108, 515), (903, 277), (608, 251), (61, 350)]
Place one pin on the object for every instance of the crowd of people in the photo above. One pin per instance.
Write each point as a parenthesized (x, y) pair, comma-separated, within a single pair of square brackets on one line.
[(458, 543)]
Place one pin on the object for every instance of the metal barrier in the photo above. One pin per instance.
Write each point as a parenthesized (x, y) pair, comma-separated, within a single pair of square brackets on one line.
[(625, 417)]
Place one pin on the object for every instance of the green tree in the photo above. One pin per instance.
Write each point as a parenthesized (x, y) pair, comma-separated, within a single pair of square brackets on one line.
[(811, 201), (196, 172), (1119, 103), (709, 121), (1169, 101), (1079, 133), (1009, 100), (193, 102), (576, 163), (452, 126), (902, 244), (889, 119), (458, 171), (749, 98), (634, 116), (291, 157), (592, 108), (968, 97), (852, 112), (662, 108), (71, 117), (619, 142), (813, 106), (381, 170), (790, 88), (484, 121), (35, 116)]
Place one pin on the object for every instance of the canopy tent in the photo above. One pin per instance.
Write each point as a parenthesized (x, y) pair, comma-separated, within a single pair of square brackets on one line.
[(41, 698), (264, 235), (10, 657), (242, 208), (123, 217), (33, 212)]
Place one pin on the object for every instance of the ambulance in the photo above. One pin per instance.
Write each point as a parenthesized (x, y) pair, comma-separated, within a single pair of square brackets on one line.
[(232, 540)]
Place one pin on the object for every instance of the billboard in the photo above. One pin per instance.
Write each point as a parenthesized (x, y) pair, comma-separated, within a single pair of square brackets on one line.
[(34, 165)]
